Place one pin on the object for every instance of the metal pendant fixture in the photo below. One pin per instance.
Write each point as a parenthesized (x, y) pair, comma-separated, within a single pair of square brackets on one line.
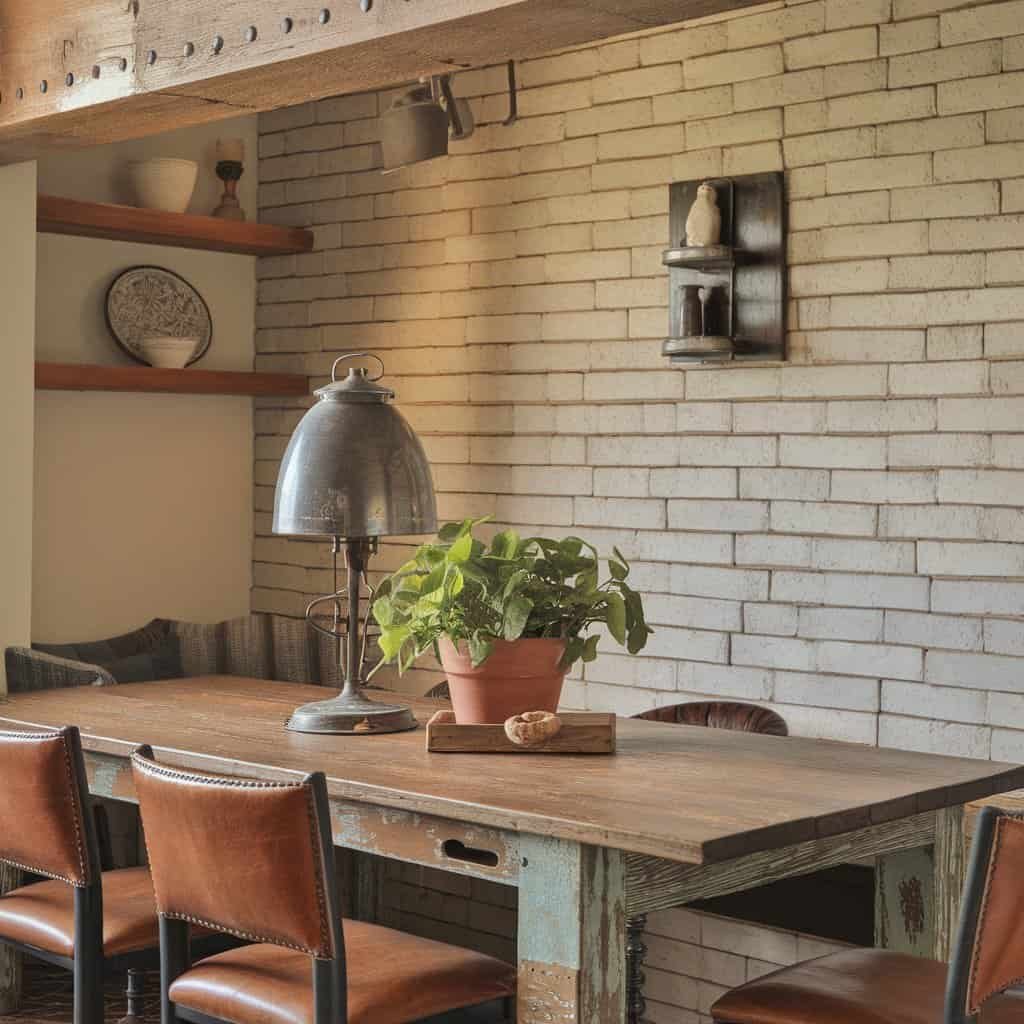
[(353, 471)]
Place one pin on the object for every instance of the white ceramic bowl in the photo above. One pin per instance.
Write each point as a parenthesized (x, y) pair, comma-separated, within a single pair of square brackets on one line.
[(168, 353), (162, 183)]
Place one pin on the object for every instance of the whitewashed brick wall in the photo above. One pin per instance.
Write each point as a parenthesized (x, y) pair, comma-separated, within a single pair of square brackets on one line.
[(840, 537)]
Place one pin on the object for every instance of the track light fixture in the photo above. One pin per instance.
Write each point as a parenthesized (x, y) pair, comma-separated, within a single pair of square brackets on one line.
[(420, 121)]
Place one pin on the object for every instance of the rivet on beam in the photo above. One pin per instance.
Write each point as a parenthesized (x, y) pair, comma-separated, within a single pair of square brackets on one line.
[(20, 93), (188, 49), (122, 64), (69, 79), (287, 25), (95, 71), (324, 16), (43, 86), (151, 57), (218, 44), (365, 5), (251, 34)]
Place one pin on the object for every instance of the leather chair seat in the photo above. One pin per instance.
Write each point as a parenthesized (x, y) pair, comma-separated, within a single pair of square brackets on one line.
[(393, 978), (858, 986), (43, 914)]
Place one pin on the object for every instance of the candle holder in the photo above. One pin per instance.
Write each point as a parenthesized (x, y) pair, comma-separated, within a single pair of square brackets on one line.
[(229, 171)]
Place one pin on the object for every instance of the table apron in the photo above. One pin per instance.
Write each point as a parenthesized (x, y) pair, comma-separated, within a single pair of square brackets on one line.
[(444, 843), (656, 884)]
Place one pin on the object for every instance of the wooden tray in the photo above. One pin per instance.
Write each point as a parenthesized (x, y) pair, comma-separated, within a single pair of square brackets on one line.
[(581, 733)]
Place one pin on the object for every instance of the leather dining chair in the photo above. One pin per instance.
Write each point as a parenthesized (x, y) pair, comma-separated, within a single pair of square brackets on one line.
[(255, 859), (711, 714), (81, 918), (870, 986)]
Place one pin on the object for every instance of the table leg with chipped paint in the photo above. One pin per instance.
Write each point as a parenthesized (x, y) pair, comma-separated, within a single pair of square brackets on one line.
[(572, 933), (917, 891), (950, 875)]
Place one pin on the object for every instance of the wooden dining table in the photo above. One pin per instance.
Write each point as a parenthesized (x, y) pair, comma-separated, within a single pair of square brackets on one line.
[(679, 813)]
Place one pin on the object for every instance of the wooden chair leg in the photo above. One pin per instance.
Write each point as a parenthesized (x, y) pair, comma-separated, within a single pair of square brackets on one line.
[(134, 992), (636, 950)]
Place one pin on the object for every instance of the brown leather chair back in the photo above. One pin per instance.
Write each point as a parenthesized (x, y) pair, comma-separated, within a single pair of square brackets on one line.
[(44, 824), (989, 954), (242, 856), (721, 714)]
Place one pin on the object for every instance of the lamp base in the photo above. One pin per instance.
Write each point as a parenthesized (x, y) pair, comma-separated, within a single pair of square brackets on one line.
[(357, 716)]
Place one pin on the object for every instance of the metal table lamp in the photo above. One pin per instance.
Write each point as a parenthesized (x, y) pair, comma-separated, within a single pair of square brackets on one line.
[(353, 471)]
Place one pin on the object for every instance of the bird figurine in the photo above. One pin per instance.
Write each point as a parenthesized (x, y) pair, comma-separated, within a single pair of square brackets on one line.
[(704, 221)]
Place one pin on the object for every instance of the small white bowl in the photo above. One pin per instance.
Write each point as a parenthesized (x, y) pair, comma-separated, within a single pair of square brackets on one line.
[(162, 183), (167, 353)]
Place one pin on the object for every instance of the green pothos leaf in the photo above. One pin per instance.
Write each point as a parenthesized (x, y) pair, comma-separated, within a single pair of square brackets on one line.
[(517, 613), (391, 640), (616, 616), (383, 611), (461, 549), (480, 647)]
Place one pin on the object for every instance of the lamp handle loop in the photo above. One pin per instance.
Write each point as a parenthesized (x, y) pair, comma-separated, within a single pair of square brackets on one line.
[(357, 355)]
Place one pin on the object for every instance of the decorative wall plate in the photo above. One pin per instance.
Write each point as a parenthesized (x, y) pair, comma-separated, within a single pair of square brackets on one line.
[(143, 301)]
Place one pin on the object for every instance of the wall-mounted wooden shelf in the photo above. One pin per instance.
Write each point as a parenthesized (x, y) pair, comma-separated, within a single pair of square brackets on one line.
[(81, 377), (58, 216)]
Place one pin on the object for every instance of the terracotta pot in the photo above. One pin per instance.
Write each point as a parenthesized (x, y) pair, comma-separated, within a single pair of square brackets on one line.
[(522, 675)]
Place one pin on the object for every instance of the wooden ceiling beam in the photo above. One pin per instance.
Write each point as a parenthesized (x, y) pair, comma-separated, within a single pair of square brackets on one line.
[(84, 72)]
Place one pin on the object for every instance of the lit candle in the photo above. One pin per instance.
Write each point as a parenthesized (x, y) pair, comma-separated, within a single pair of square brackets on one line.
[(231, 149)]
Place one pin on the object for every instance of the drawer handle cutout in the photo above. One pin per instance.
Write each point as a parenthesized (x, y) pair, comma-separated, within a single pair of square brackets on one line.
[(457, 850)]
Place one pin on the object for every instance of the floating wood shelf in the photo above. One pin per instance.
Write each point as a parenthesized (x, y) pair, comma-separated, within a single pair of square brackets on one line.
[(80, 377), (58, 216)]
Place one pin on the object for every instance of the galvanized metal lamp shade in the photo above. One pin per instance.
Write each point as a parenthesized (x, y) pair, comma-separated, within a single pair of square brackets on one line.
[(354, 471)]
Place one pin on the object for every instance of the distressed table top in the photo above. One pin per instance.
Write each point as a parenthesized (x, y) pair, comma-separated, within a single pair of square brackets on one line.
[(679, 792)]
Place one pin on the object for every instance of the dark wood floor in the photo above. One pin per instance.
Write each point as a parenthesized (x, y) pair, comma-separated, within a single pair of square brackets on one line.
[(48, 993)]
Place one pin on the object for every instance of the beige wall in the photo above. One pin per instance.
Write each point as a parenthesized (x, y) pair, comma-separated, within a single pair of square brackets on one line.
[(17, 299), (143, 502), (140, 511)]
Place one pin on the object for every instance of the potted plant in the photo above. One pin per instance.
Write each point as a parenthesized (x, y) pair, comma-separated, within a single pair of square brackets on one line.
[(506, 620)]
